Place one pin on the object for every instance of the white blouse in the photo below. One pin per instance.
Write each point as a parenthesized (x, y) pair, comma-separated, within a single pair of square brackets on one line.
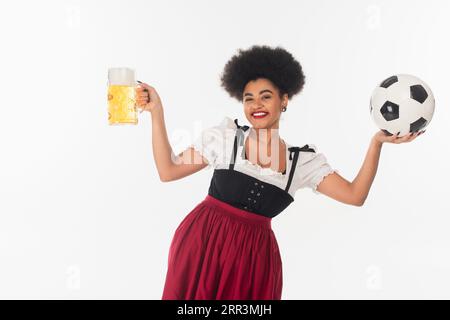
[(215, 144)]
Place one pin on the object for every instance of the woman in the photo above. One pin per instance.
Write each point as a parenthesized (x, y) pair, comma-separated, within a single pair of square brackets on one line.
[(225, 247)]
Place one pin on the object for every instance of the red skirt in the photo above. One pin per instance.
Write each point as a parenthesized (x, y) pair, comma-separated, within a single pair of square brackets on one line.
[(220, 252)]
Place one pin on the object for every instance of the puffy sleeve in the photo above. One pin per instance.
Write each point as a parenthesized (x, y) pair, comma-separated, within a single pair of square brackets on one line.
[(211, 143), (312, 168)]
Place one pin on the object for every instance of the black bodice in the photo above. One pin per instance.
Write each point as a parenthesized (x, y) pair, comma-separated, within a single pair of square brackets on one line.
[(249, 193)]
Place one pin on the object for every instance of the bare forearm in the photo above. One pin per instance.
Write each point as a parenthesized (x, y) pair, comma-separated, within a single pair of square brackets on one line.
[(162, 151), (363, 181)]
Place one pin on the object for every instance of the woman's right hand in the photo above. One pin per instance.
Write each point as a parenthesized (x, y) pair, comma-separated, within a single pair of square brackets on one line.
[(147, 98)]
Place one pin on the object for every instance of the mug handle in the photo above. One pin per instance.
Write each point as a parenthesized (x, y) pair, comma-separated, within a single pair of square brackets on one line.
[(137, 107)]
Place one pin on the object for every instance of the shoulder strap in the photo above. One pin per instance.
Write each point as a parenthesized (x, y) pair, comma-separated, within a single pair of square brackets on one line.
[(295, 151), (244, 127), (238, 138)]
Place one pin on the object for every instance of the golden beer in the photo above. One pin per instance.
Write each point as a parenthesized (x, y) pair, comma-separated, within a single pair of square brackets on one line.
[(122, 105)]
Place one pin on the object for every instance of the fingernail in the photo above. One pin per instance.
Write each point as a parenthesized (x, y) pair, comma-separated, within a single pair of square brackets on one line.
[(398, 133)]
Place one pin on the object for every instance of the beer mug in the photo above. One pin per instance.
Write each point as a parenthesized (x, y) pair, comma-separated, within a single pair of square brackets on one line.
[(122, 108)]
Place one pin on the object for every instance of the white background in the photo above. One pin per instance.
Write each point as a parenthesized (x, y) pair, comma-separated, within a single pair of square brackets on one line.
[(83, 213)]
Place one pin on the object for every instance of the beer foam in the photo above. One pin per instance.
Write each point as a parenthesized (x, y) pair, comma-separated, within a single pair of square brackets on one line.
[(121, 76)]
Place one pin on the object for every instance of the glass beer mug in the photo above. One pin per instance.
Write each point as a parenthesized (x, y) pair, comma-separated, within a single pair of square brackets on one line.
[(122, 108)]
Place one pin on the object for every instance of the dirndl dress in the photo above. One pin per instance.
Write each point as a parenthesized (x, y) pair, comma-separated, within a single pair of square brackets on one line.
[(225, 248)]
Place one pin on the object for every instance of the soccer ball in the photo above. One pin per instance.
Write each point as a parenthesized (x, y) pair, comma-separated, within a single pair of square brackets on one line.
[(402, 103)]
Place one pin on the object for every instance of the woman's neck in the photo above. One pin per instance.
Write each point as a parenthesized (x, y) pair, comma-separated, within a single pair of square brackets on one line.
[(265, 136)]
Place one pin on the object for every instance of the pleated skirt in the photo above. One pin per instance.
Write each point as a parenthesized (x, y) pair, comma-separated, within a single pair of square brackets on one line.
[(221, 252)]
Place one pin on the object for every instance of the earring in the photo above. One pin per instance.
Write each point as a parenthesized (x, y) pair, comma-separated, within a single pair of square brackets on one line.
[(284, 109)]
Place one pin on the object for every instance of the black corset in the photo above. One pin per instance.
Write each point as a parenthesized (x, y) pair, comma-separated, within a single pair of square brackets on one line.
[(247, 192)]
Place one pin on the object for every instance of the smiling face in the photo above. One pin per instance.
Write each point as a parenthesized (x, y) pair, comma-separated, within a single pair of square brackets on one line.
[(261, 95)]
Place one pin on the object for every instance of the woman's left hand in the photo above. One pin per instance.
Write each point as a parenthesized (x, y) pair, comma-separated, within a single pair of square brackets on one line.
[(382, 137)]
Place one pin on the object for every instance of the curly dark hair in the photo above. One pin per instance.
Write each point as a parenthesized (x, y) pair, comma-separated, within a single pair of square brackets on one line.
[(274, 64)]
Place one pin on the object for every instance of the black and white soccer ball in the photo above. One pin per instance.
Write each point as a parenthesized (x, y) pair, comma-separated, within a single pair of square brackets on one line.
[(402, 103)]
